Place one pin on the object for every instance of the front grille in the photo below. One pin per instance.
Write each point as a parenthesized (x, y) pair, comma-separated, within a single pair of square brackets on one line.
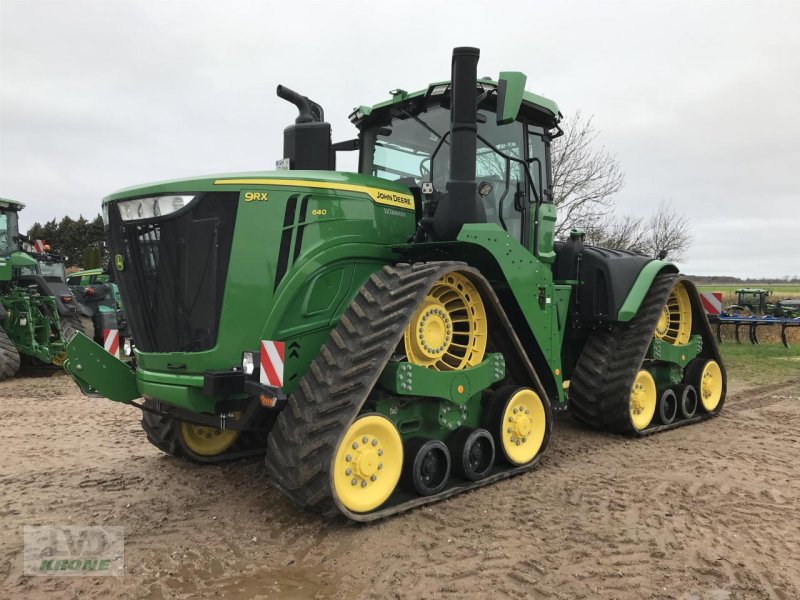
[(174, 273)]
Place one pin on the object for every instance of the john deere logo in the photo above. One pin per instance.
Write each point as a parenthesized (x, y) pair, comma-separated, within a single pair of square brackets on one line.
[(119, 263)]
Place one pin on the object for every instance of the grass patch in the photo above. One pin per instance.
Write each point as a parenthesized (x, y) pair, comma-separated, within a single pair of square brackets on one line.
[(763, 364)]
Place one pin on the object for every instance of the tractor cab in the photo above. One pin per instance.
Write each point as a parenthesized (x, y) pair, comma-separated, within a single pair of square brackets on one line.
[(9, 226), (407, 139)]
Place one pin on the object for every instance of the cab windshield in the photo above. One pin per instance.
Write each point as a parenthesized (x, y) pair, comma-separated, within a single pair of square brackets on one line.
[(410, 149)]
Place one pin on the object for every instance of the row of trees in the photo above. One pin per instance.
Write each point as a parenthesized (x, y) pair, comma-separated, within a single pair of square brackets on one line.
[(79, 240)]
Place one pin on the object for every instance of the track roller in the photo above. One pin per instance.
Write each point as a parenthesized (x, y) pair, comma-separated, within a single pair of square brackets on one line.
[(687, 400), (667, 407), (472, 453), (427, 467)]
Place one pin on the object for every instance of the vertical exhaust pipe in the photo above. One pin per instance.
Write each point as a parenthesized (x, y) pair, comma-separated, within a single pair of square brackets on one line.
[(461, 204)]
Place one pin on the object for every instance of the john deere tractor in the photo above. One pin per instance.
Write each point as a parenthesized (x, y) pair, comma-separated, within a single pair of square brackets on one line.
[(38, 312), (401, 334)]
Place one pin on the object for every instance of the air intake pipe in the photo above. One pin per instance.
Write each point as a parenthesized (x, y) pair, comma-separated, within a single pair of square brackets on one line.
[(461, 204), (307, 144)]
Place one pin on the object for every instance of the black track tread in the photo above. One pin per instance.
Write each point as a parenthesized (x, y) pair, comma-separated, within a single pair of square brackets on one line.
[(9, 356), (334, 388), (600, 384), (163, 431)]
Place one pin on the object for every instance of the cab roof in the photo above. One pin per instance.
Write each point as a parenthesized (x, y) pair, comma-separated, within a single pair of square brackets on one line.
[(9, 203), (531, 103)]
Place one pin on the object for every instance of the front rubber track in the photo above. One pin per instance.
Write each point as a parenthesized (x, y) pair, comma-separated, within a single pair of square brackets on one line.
[(331, 394), (599, 391), (163, 432)]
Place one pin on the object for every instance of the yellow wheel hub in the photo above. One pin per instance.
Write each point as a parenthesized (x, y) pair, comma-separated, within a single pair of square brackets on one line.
[(448, 331), (207, 441), (675, 323), (523, 426), (367, 464), (643, 400), (711, 385)]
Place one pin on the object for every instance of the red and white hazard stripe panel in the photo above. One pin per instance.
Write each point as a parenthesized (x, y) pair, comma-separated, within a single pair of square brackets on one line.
[(271, 372), (712, 302), (38, 246), (111, 341)]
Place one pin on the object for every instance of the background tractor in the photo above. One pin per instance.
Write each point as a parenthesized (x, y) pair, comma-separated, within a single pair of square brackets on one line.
[(37, 310), (401, 334), (98, 296), (753, 301)]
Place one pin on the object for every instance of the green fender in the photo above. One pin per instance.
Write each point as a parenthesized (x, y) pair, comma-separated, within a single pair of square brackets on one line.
[(643, 282)]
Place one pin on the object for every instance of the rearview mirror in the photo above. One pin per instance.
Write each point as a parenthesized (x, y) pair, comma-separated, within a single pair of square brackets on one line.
[(510, 88)]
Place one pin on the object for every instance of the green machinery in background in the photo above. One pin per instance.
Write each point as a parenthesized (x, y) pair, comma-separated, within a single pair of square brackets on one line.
[(38, 312), (753, 301), (400, 334), (98, 296)]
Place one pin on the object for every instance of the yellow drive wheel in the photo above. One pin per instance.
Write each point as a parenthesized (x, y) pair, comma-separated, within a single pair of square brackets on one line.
[(710, 385), (518, 421), (367, 463), (207, 441), (448, 331), (643, 400), (675, 323)]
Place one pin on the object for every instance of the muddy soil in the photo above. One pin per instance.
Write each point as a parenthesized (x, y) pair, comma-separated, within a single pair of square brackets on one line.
[(706, 511)]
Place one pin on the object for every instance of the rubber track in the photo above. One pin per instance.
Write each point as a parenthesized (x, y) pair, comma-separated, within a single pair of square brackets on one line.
[(334, 389), (70, 325), (9, 356), (163, 432), (601, 382)]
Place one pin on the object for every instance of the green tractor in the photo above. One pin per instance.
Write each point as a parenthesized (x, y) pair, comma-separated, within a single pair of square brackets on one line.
[(401, 334), (38, 312), (753, 301)]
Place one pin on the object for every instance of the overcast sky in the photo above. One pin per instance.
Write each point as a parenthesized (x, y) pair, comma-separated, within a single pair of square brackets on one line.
[(698, 101)]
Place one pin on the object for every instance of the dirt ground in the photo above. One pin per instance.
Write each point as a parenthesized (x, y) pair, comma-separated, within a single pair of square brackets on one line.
[(707, 511)]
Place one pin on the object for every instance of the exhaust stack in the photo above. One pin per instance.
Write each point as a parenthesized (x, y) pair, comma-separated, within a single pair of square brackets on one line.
[(307, 143), (461, 204)]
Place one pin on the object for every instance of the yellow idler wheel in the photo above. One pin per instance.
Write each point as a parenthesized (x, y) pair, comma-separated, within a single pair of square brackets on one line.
[(675, 323), (207, 441), (643, 400), (367, 463), (710, 386), (518, 421), (448, 331)]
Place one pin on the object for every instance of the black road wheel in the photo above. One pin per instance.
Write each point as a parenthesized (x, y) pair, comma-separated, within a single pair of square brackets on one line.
[(667, 407), (9, 356), (687, 400), (472, 453), (426, 468)]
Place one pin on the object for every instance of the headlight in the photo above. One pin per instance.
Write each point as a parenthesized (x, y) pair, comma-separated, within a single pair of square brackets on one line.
[(248, 363), (127, 347), (148, 208)]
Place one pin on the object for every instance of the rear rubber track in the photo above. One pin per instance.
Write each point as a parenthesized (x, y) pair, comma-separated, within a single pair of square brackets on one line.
[(336, 386), (601, 382)]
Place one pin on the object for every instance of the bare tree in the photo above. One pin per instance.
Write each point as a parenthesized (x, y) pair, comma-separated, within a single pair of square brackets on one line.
[(585, 178), (668, 232)]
